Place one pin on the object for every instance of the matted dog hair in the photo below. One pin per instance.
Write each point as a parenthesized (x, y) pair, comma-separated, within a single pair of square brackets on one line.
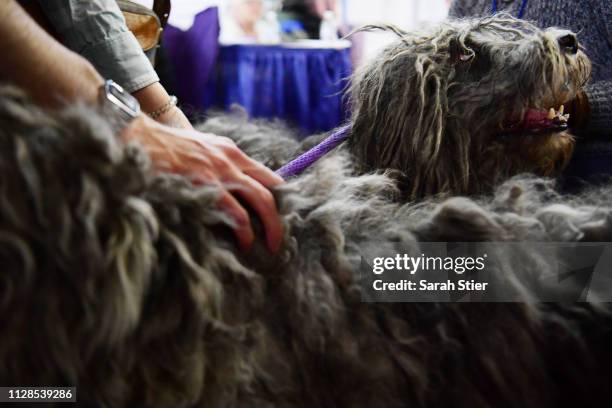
[(433, 104), (127, 285)]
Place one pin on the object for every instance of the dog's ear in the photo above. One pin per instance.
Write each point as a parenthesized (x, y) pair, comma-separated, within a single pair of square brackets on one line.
[(400, 110)]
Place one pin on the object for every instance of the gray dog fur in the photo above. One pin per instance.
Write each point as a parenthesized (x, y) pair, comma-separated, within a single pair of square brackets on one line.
[(128, 285)]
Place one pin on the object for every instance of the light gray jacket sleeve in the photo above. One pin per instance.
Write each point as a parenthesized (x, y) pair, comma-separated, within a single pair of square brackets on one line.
[(97, 30)]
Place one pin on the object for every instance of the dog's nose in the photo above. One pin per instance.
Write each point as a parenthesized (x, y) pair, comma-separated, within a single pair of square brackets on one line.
[(568, 43)]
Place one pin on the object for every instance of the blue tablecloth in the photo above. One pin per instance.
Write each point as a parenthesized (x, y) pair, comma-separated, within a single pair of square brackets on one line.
[(305, 86)]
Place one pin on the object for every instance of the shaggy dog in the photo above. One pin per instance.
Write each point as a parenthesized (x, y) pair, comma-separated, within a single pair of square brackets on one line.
[(463, 108), (459, 108), (127, 285)]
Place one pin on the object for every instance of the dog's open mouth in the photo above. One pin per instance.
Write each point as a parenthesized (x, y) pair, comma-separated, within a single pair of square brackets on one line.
[(536, 121)]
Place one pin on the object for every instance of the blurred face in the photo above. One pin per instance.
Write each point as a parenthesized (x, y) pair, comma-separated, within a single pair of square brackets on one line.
[(247, 12)]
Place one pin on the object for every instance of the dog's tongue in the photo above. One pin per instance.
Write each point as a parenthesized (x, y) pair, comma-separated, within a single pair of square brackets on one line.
[(540, 121), (536, 118)]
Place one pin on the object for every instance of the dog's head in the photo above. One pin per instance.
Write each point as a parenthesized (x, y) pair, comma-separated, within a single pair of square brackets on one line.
[(459, 108)]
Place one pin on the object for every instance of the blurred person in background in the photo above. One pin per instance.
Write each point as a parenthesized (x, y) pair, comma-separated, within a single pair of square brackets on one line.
[(301, 19), (239, 21)]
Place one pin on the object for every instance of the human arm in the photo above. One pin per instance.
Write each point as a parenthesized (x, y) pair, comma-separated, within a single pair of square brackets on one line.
[(154, 96), (33, 60), (54, 75), (96, 29)]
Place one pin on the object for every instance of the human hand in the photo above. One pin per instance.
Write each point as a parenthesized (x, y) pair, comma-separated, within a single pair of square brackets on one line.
[(211, 159)]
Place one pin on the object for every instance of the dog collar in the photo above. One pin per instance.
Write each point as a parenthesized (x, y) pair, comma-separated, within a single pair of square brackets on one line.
[(296, 166)]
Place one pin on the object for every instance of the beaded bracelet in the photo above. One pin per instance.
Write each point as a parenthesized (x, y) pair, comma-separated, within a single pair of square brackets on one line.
[(164, 108)]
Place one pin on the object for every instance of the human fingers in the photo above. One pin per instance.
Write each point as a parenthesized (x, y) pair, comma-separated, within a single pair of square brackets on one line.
[(248, 165), (242, 229), (262, 201), (263, 175)]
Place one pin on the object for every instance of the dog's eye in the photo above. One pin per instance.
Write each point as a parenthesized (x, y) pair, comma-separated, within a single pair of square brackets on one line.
[(464, 57), (461, 52)]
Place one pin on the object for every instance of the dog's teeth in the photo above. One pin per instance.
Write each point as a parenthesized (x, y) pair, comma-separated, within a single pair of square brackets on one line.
[(563, 118), (551, 114), (561, 109)]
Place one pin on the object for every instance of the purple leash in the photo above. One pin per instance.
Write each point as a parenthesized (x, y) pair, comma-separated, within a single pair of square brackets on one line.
[(296, 166)]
